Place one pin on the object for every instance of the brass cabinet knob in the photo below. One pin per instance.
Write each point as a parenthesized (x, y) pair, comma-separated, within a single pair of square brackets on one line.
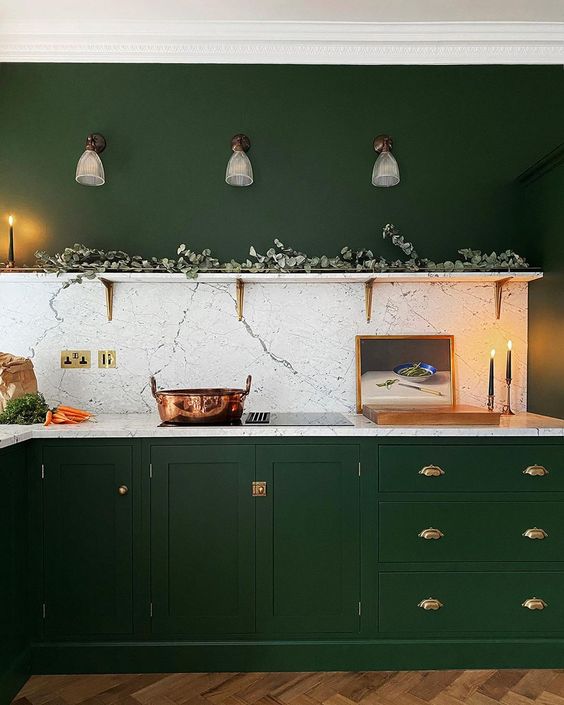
[(431, 471), (123, 490), (534, 603), (430, 533), (430, 604), (539, 470), (535, 533)]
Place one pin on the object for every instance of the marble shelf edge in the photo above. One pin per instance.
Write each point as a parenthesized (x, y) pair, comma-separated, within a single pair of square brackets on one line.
[(499, 279)]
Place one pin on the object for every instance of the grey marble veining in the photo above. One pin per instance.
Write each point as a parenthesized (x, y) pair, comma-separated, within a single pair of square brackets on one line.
[(147, 426), (297, 340)]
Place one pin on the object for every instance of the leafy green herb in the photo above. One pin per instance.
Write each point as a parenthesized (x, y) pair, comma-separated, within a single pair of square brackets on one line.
[(87, 262), (31, 408)]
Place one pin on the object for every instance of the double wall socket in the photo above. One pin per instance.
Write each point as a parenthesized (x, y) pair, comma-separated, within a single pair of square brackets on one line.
[(76, 359), (73, 359)]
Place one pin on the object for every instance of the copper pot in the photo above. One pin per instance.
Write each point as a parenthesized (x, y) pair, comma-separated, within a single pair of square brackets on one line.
[(200, 406)]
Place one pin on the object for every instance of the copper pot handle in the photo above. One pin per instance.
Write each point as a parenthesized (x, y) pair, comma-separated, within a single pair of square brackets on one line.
[(248, 386), (153, 386)]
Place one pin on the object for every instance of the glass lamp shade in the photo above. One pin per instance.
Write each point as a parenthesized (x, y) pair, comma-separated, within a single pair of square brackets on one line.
[(239, 170), (386, 171), (90, 170)]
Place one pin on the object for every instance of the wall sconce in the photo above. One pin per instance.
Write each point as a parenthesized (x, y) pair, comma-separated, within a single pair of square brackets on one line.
[(239, 170), (90, 170), (386, 171)]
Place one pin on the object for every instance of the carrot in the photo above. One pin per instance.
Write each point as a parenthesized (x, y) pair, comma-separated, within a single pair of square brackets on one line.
[(72, 417), (58, 417), (48, 418), (72, 410)]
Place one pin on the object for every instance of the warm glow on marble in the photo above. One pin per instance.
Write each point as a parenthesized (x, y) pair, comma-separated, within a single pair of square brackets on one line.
[(297, 340)]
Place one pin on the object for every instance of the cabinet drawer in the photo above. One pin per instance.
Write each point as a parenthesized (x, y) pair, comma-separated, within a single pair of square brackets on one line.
[(475, 468), (471, 531), (471, 602)]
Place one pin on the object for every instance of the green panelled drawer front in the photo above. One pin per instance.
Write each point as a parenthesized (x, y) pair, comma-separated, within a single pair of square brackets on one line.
[(472, 602), (472, 468), (471, 531), (88, 540)]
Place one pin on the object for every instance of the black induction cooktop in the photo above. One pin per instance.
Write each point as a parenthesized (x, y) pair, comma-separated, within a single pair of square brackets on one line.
[(295, 418), (275, 418)]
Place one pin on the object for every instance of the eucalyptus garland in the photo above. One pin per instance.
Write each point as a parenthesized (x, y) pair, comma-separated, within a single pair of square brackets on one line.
[(87, 262)]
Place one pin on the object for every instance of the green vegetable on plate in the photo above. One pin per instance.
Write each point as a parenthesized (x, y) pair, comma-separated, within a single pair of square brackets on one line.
[(415, 371)]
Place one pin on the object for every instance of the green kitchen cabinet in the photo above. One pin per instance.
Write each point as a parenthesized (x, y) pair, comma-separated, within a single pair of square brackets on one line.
[(308, 568), (427, 531), (475, 467), (202, 539), (14, 655), (467, 601), (88, 539)]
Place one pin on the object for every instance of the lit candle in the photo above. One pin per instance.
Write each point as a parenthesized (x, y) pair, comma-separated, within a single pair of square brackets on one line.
[(491, 383), (508, 365), (11, 261)]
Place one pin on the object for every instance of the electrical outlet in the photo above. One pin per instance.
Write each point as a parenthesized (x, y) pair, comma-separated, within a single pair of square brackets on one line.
[(75, 359), (106, 358)]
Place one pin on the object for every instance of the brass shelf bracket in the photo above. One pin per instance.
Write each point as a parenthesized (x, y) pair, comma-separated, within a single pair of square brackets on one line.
[(240, 292), (368, 295), (109, 287), (499, 286)]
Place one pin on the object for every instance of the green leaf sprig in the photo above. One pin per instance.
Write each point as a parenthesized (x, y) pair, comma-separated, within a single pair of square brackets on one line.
[(88, 262)]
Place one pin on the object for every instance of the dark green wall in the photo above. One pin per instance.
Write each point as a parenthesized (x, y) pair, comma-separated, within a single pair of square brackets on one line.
[(462, 134), (543, 211)]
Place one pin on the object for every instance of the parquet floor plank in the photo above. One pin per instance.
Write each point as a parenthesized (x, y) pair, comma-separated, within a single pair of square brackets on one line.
[(485, 687), (547, 698), (434, 682), (534, 683), (500, 682), (467, 683)]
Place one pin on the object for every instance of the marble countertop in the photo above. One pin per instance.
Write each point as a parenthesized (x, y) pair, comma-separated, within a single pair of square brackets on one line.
[(146, 426)]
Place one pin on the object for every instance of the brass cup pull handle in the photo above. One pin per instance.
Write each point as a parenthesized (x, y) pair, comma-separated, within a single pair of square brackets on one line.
[(123, 490), (430, 604), (534, 603), (535, 470), (431, 471), (430, 533), (535, 533)]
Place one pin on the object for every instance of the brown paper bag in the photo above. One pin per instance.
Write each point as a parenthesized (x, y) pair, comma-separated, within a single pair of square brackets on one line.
[(16, 378)]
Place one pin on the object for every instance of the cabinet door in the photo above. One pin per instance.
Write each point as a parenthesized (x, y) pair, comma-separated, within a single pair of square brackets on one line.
[(88, 540), (202, 539), (308, 539), (13, 540)]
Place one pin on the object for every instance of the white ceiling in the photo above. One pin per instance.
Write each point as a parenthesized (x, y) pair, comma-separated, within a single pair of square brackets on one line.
[(285, 10), (284, 31)]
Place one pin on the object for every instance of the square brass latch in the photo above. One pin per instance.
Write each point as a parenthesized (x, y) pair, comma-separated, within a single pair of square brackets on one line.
[(259, 489)]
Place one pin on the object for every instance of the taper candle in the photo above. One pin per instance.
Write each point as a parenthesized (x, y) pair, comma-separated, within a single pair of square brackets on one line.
[(491, 381), (11, 260), (508, 364)]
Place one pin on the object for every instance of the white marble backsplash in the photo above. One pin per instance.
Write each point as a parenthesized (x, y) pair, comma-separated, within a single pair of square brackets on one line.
[(297, 340)]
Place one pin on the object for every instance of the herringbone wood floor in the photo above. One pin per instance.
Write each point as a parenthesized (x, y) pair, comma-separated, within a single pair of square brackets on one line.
[(542, 687)]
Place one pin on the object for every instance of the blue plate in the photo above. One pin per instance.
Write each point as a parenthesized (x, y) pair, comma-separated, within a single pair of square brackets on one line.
[(415, 380)]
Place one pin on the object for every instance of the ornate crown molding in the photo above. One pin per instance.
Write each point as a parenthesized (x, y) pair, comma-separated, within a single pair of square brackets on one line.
[(285, 42)]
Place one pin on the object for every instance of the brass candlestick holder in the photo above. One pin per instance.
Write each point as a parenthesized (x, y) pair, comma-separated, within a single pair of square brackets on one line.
[(506, 408), (491, 402)]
